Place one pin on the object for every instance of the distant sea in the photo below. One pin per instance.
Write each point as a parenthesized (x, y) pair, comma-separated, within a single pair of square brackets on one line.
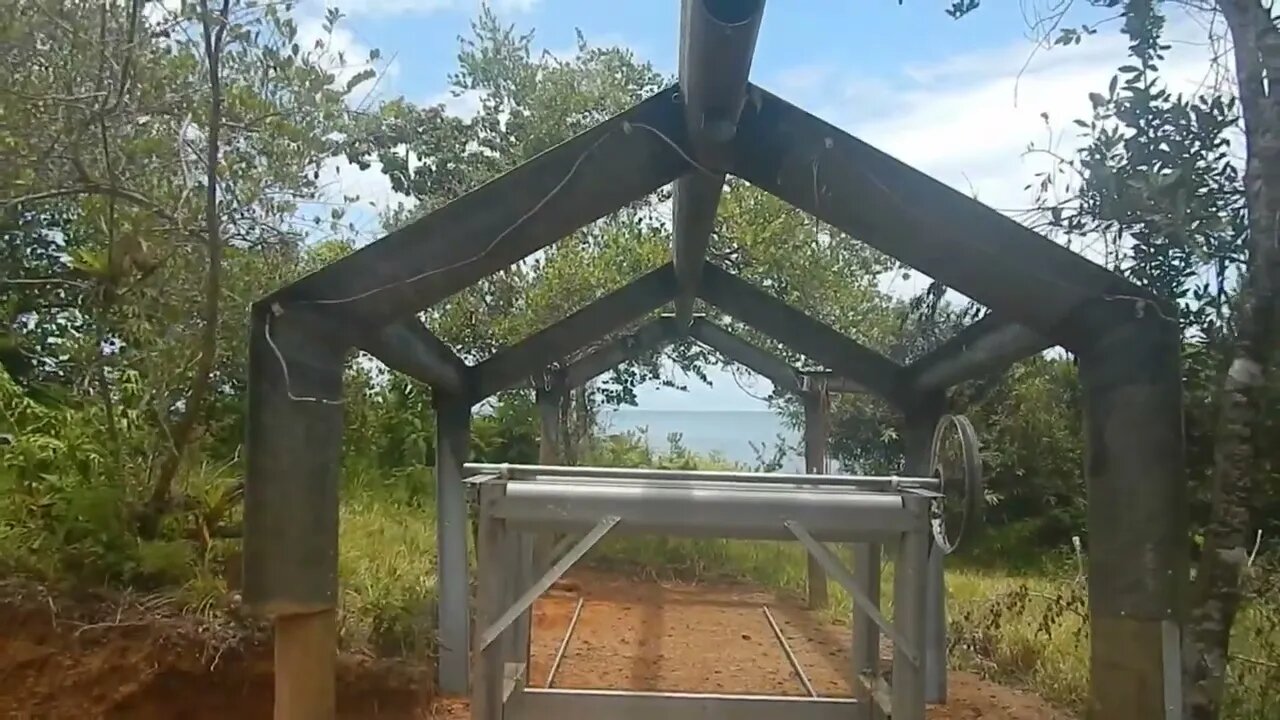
[(727, 432)]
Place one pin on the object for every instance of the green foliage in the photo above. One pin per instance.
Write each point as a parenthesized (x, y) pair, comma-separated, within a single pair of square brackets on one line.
[(101, 252)]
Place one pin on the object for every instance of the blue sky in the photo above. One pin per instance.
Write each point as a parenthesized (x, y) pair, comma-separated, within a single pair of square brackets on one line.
[(957, 99)]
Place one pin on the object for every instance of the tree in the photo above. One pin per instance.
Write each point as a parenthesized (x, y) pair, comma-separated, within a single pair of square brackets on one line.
[(1179, 204), (161, 161), (1237, 463)]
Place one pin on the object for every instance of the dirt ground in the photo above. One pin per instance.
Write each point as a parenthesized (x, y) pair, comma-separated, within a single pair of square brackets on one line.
[(716, 638), (631, 635)]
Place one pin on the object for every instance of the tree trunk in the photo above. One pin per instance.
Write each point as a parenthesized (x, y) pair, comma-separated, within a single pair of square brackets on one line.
[(214, 30), (1217, 592), (567, 455)]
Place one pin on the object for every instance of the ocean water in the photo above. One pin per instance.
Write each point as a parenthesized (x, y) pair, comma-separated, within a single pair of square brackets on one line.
[(730, 433)]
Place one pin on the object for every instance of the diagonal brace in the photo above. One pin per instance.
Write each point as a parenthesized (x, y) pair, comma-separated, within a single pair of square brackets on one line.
[(836, 569), (526, 600)]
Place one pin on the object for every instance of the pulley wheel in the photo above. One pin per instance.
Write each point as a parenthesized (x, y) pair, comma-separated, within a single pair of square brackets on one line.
[(955, 460)]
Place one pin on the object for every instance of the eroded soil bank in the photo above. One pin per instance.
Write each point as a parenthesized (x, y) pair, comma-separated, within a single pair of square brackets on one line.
[(92, 659)]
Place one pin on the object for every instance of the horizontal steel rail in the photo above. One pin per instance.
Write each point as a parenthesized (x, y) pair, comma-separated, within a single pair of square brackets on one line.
[(703, 509), (536, 704), (869, 482)]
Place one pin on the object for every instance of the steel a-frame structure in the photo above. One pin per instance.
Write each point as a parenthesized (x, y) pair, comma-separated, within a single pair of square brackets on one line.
[(714, 122)]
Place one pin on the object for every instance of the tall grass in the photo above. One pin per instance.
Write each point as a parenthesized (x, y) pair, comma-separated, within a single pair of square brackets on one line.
[(387, 569)]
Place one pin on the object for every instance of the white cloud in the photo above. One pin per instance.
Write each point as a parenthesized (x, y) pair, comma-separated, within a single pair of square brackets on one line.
[(374, 196), (465, 104), (970, 120), (161, 11), (346, 55)]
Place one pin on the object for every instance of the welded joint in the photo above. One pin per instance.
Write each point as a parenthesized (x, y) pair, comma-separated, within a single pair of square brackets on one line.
[(543, 583), (837, 570)]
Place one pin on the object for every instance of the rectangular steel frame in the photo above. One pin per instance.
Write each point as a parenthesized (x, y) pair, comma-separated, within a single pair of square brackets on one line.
[(513, 512)]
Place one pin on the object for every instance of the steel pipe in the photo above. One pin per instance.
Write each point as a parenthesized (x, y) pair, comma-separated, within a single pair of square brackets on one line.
[(791, 656), (714, 509), (717, 42), (564, 644), (528, 472), (538, 704)]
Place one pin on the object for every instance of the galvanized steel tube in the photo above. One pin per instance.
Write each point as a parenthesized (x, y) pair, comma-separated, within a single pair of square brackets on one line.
[(864, 482), (707, 509)]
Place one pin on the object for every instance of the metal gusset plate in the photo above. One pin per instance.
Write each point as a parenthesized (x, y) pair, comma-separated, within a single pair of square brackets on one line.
[(955, 460)]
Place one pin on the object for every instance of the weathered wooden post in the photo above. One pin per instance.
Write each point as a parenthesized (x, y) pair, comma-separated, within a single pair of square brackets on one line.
[(548, 395), (291, 506), (453, 584), (1138, 518)]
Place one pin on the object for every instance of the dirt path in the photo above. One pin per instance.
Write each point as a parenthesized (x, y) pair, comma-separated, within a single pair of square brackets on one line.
[(631, 635), (715, 638)]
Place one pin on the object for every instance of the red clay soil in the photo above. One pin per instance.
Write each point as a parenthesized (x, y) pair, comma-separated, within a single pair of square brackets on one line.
[(82, 661), (631, 635), (716, 638)]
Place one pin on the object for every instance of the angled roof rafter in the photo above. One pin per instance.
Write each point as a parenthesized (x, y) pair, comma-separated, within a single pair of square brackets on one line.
[(530, 207), (409, 347), (506, 368), (663, 331), (804, 334), (651, 336), (922, 222), (989, 345), (756, 359)]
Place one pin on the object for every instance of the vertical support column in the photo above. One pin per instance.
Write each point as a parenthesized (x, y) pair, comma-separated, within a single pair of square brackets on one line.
[(453, 437), (492, 590), (909, 588), (866, 634), (548, 396), (294, 446), (815, 455), (1138, 519), (921, 420), (524, 576), (306, 647)]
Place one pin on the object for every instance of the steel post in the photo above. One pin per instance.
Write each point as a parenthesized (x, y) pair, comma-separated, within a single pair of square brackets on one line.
[(920, 420), (909, 588), (492, 593), (866, 633)]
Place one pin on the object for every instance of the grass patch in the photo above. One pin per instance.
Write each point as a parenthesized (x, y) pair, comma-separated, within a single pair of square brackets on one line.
[(387, 569)]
